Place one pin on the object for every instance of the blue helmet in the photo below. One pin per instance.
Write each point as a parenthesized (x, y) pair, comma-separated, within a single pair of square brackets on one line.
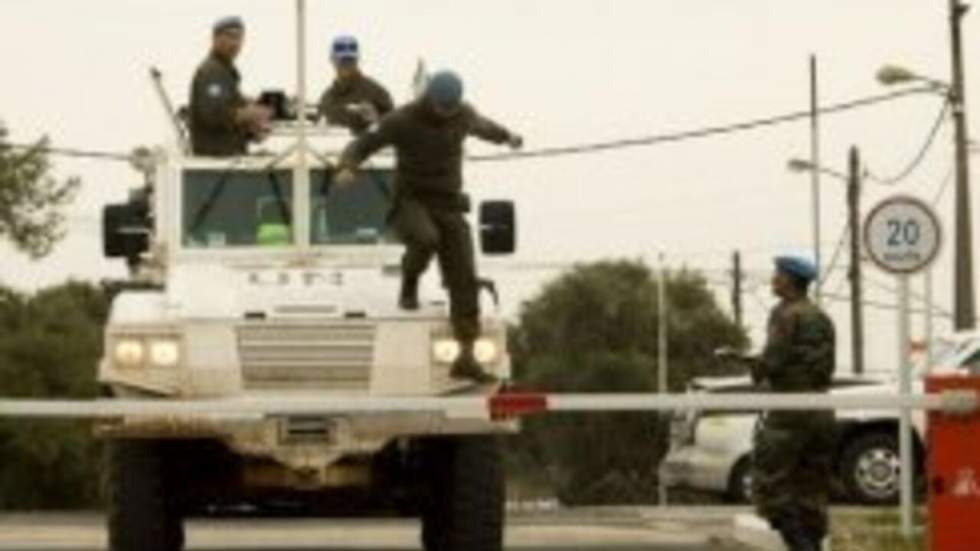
[(797, 266), (228, 23), (445, 89), (345, 48)]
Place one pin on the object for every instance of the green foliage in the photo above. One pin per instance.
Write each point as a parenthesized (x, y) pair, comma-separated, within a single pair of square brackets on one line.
[(49, 346), (594, 329), (30, 199), (874, 531)]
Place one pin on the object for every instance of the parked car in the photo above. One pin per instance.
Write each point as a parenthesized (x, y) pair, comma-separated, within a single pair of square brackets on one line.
[(711, 451), (959, 352)]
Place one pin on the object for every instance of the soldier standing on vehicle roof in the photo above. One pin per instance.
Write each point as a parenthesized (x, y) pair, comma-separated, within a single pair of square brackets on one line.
[(430, 206), (222, 120), (793, 455), (353, 100)]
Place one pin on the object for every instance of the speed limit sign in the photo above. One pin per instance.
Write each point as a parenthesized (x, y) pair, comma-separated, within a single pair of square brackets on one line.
[(902, 235)]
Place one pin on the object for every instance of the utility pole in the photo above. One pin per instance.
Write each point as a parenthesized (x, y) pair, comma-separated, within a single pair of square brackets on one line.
[(964, 300), (815, 174), (854, 272), (737, 287), (663, 356)]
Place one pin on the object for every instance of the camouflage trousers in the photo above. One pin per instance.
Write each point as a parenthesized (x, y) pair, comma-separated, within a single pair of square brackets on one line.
[(792, 472), (444, 233)]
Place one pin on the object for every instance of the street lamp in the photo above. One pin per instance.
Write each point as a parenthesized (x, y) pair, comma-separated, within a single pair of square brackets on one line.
[(890, 75), (893, 74), (853, 180), (802, 165), (799, 165), (964, 301)]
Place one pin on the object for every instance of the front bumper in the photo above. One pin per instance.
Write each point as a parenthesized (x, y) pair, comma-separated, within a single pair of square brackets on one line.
[(303, 443), (336, 431)]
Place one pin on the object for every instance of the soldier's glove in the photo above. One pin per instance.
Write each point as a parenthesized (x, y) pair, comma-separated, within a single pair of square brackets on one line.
[(515, 141), (263, 123), (366, 111), (255, 120), (251, 115)]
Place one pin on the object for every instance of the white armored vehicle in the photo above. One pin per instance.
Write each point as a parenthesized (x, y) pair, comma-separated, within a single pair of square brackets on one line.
[(253, 278)]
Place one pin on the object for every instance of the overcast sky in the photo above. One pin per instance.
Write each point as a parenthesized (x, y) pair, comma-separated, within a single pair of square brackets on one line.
[(558, 71)]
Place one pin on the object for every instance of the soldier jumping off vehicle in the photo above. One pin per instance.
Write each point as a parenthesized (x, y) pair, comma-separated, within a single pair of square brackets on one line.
[(430, 206), (222, 120), (353, 100), (792, 458)]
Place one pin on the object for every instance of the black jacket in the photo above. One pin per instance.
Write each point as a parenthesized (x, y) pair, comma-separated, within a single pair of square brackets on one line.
[(214, 99), (429, 148), (342, 93)]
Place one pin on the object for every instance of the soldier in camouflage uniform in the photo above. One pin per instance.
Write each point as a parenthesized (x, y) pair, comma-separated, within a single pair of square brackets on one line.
[(793, 455), (430, 207)]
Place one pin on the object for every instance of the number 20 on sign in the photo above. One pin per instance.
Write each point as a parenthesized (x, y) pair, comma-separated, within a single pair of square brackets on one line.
[(902, 235)]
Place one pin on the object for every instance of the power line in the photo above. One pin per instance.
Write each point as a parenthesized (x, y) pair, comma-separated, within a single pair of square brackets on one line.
[(886, 306), (917, 296), (573, 149), (943, 186), (69, 152), (836, 256), (837, 250), (696, 133), (754, 293), (923, 151)]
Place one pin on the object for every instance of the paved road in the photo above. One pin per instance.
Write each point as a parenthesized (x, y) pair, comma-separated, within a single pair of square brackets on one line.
[(606, 530)]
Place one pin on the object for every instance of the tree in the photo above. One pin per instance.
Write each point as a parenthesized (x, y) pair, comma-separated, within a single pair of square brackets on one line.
[(594, 329), (30, 198), (50, 344)]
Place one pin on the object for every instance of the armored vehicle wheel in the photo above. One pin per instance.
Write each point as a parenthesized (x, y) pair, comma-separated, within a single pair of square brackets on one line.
[(140, 515), (465, 510)]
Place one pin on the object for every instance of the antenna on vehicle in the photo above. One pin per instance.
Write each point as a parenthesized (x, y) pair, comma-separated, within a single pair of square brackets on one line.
[(420, 80), (172, 115)]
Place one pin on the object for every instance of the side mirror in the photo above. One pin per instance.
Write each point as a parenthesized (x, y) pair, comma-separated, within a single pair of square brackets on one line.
[(125, 231), (498, 227)]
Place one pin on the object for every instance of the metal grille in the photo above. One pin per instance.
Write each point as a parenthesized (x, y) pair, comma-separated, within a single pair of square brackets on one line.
[(306, 356)]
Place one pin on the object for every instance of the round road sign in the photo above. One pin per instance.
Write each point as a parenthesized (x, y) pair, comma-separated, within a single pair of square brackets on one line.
[(902, 235)]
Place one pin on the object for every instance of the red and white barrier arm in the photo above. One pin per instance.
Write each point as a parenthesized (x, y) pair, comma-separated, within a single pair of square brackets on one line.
[(504, 405)]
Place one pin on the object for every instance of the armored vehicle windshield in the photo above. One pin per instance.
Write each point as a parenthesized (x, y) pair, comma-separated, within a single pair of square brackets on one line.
[(249, 208)]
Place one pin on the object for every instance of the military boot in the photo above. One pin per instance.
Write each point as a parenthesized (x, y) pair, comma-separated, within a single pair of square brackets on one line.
[(797, 538), (408, 299), (466, 366)]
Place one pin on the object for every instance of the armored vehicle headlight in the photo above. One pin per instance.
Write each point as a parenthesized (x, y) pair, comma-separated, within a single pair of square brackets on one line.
[(129, 352), (164, 353), (485, 350), (445, 350)]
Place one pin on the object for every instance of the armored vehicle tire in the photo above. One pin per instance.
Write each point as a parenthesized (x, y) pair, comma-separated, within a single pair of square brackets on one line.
[(140, 515), (465, 511)]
